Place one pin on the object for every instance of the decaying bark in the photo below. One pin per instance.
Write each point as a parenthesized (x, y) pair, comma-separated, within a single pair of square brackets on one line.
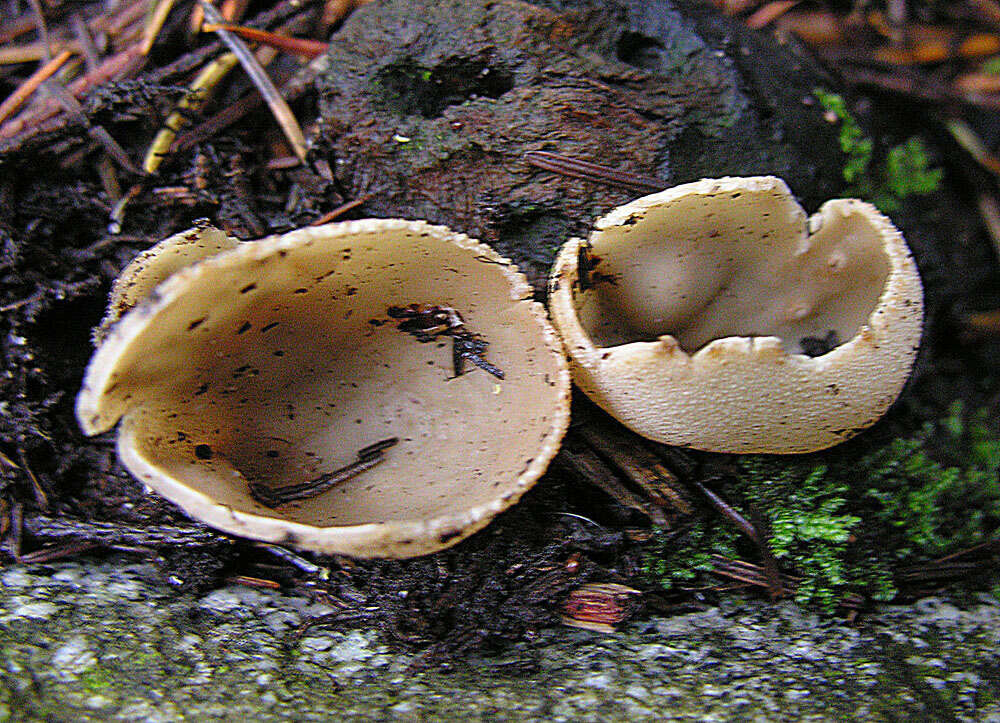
[(433, 105)]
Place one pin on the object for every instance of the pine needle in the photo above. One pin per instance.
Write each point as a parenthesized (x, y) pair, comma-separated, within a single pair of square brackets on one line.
[(279, 107), (16, 99), (299, 46), (155, 24), (197, 94)]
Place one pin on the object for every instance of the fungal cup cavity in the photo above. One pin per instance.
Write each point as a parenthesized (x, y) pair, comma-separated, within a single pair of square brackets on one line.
[(731, 262), (270, 368)]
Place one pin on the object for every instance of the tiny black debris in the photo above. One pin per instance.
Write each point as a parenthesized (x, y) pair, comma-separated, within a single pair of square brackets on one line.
[(587, 273), (427, 323), (819, 345)]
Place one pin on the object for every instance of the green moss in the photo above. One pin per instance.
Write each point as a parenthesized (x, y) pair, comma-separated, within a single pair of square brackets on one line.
[(841, 526), (674, 560), (95, 680), (853, 142), (991, 66), (937, 507), (904, 171), (811, 526), (908, 171)]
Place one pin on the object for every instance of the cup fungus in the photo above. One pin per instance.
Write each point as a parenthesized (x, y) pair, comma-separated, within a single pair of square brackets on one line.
[(312, 389), (716, 315)]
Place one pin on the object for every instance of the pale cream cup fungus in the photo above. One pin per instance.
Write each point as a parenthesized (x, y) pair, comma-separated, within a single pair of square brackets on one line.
[(688, 315), (268, 365)]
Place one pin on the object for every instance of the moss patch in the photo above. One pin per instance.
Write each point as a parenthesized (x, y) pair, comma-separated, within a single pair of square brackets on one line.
[(904, 170), (847, 526)]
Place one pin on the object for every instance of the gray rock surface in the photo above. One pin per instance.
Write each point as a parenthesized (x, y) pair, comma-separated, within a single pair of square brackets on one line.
[(108, 642)]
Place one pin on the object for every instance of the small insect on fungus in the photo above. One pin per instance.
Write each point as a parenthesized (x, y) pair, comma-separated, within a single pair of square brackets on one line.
[(426, 323), (368, 457)]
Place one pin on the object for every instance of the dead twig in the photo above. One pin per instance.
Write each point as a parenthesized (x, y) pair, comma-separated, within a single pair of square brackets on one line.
[(275, 496), (299, 46), (749, 573), (41, 499), (41, 26), (940, 571), (759, 537), (295, 560), (937, 50), (769, 13), (194, 99), (971, 142), (112, 534), (728, 512), (60, 552), (918, 87), (155, 24), (248, 581), (989, 209), (989, 545), (16, 27), (342, 209), (73, 108), (12, 528), (637, 463), (85, 39), (586, 465), (221, 120), (117, 66)]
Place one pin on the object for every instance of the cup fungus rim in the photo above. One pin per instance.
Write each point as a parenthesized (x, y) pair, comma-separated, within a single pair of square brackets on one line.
[(670, 394), (404, 537)]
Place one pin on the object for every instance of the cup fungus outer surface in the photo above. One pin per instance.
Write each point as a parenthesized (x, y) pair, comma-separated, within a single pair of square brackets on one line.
[(689, 320), (157, 264), (275, 361)]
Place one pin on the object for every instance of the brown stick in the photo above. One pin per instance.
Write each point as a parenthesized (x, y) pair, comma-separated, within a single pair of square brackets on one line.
[(342, 209), (758, 536), (749, 573), (299, 46), (116, 66), (279, 106), (588, 466), (636, 463)]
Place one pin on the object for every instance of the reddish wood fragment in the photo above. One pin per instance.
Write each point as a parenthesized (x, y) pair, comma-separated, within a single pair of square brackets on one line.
[(599, 606)]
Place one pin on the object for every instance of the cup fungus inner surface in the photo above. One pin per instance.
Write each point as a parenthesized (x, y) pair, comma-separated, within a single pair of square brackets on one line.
[(735, 262), (276, 362)]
